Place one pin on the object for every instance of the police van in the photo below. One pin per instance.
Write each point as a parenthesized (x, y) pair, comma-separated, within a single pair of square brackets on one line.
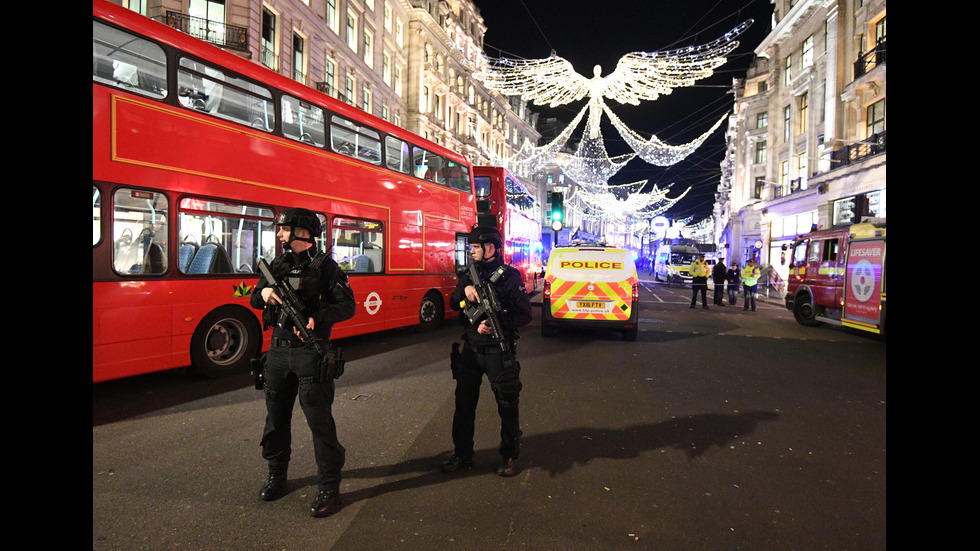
[(590, 286), (673, 264)]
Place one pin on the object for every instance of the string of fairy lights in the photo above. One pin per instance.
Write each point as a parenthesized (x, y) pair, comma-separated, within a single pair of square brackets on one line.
[(638, 77)]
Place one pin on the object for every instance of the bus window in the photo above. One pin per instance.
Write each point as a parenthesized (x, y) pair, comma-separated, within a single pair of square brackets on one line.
[(360, 142), (96, 215), (429, 166), (303, 121), (205, 88), (218, 237), (458, 176), (120, 59), (139, 230), (358, 245), (397, 155), (483, 185)]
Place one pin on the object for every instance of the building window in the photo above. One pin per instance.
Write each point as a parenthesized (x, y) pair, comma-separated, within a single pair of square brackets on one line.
[(369, 48), (804, 108), (349, 95), (760, 185), (331, 16), (352, 31), (425, 100), (398, 81), (268, 54), (876, 118), (366, 97), (784, 174), (399, 31), (762, 120), (387, 16), (806, 53), (330, 77), (760, 152), (788, 73), (801, 166), (787, 119), (386, 68), (299, 60), (385, 114)]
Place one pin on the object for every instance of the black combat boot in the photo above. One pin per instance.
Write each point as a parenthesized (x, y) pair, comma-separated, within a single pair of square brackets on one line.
[(274, 485), (325, 503), (456, 463)]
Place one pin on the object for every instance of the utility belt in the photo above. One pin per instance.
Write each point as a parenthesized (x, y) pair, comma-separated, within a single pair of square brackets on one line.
[(491, 348), (289, 343)]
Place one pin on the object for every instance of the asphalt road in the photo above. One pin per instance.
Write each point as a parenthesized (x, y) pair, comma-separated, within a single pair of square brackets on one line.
[(715, 430)]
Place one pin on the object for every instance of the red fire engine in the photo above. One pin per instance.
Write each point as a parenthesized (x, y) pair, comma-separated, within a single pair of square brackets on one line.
[(838, 276)]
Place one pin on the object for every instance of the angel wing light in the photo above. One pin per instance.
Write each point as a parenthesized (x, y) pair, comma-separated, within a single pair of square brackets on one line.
[(639, 76)]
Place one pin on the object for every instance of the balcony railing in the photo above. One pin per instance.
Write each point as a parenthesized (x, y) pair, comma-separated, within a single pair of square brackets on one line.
[(215, 32), (869, 60), (852, 153)]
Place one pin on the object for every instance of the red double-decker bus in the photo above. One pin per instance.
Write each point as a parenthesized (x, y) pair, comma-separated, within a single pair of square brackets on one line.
[(196, 150), (504, 202)]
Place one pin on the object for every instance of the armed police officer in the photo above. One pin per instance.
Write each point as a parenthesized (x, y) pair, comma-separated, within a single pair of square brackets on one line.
[(482, 353), (294, 366)]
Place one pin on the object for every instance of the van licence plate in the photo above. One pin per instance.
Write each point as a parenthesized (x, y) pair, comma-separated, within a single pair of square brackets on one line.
[(590, 304)]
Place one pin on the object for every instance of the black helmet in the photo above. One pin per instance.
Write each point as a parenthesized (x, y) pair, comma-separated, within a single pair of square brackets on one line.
[(486, 234), (300, 218)]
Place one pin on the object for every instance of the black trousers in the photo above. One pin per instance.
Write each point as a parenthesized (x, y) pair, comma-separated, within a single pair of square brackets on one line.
[(291, 372), (469, 376), (720, 293), (700, 285)]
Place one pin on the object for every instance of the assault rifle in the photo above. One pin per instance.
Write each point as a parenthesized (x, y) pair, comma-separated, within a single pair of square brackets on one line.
[(488, 307), (291, 313)]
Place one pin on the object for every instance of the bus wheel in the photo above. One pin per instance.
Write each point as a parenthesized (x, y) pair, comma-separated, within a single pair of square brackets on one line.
[(430, 311), (224, 343), (804, 311)]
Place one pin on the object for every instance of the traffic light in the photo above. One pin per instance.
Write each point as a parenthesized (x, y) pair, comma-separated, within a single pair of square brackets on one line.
[(557, 210)]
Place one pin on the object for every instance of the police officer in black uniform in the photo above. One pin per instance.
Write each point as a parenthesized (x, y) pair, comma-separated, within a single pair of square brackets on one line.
[(293, 366), (482, 354)]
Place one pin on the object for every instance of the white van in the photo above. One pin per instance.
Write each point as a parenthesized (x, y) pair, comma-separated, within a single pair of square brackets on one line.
[(673, 264), (590, 286)]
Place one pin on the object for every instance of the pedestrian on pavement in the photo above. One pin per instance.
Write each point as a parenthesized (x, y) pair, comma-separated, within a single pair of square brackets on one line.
[(293, 366), (718, 275), (482, 354), (733, 284), (699, 283), (750, 284)]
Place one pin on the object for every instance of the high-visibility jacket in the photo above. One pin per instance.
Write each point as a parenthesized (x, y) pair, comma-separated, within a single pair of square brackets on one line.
[(699, 269), (750, 275)]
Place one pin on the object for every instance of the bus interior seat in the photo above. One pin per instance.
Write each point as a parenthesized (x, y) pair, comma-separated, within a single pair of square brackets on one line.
[(185, 254), (211, 258)]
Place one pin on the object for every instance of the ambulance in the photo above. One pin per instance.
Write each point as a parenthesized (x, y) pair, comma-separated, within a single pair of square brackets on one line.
[(590, 286)]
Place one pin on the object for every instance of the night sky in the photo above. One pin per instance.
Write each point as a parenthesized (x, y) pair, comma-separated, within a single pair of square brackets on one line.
[(590, 33)]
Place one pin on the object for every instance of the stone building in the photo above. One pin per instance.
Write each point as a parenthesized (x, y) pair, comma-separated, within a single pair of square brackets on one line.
[(806, 142)]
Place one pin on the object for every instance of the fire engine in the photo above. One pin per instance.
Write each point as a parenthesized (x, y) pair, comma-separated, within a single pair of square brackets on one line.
[(837, 276)]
